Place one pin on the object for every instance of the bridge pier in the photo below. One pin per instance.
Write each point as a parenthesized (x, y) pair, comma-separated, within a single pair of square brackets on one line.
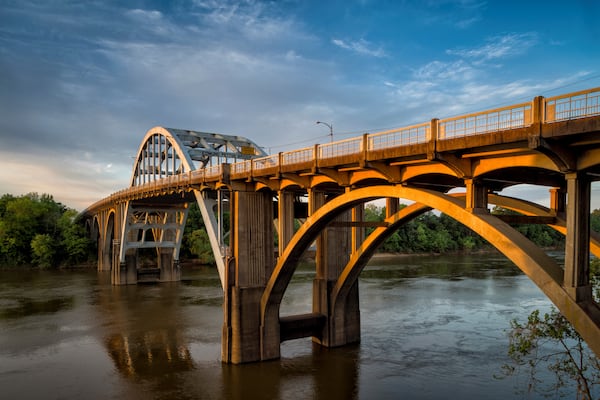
[(477, 197), (246, 276), (334, 247), (577, 247), (124, 273), (169, 268)]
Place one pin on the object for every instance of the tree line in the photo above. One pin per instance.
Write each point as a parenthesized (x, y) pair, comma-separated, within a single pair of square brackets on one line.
[(37, 230), (438, 233)]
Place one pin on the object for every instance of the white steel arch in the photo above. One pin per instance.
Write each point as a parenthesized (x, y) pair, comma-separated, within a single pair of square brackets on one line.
[(164, 152)]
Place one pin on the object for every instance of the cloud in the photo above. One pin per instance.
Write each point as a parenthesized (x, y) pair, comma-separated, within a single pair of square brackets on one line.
[(80, 89), (499, 47), (361, 47)]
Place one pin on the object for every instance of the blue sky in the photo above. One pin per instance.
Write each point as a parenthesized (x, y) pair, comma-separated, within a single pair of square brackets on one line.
[(81, 82)]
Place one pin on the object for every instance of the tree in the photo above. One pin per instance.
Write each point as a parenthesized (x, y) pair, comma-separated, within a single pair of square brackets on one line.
[(552, 342), (35, 229), (199, 245), (44, 250), (74, 242)]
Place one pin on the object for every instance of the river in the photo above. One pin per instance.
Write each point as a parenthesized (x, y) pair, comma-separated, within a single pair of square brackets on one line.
[(433, 327)]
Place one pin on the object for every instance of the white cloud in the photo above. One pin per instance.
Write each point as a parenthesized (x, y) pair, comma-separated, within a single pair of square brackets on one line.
[(361, 47), (499, 47), (144, 15), (444, 71)]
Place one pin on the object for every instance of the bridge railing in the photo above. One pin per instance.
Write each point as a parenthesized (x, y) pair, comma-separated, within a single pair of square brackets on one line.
[(340, 148), (267, 162), (581, 104), (299, 156), (399, 137), (213, 171), (511, 117)]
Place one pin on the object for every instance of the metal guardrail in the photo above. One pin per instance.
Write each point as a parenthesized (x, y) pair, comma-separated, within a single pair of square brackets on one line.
[(573, 105), (511, 117), (265, 162), (297, 156), (340, 148), (399, 137)]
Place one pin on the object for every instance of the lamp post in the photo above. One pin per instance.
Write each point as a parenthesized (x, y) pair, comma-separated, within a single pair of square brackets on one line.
[(330, 128)]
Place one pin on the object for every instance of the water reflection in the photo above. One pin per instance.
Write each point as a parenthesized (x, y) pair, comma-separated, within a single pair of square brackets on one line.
[(323, 374), (24, 306), (150, 354), (144, 329)]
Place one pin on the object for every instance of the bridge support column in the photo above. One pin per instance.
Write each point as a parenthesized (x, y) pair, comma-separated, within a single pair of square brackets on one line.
[(477, 197), (244, 339), (577, 251), (105, 236), (285, 219), (558, 202), (104, 260), (168, 266), (124, 273), (334, 248)]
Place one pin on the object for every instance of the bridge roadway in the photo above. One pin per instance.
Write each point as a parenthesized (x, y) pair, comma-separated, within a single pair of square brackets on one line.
[(456, 165)]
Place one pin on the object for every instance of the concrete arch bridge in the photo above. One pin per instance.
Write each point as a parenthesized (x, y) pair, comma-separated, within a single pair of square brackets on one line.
[(456, 165)]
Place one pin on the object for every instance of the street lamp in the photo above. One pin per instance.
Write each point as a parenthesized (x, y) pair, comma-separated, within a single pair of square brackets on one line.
[(330, 128)]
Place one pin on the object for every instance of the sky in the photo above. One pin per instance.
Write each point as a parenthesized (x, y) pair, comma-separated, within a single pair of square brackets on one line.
[(82, 82)]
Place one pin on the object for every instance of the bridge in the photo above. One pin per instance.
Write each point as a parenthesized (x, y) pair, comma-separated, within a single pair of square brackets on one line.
[(250, 201)]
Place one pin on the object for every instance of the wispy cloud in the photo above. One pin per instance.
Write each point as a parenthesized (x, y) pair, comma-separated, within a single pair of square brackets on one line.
[(362, 47), (499, 47)]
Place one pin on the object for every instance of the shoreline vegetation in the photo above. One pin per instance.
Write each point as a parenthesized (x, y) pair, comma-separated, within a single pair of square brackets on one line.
[(36, 231)]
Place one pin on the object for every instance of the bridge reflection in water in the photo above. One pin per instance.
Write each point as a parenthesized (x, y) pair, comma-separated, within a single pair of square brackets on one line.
[(551, 142), (149, 336)]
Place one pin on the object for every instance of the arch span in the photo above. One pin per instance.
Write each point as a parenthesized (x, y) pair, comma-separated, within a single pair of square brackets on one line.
[(537, 265)]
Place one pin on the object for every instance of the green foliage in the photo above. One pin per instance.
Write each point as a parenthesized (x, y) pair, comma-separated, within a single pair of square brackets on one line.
[(541, 235), (428, 233), (37, 230), (74, 242), (595, 221), (44, 250), (552, 343), (199, 245)]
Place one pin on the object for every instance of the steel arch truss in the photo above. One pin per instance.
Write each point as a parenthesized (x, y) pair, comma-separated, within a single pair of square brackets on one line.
[(165, 152), (537, 265)]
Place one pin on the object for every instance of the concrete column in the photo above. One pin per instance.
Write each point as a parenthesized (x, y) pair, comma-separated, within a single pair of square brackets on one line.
[(392, 206), (316, 199), (477, 197), (358, 232), (106, 234), (251, 266), (123, 273), (104, 259), (577, 246), (285, 219), (170, 270), (558, 202), (335, 249)]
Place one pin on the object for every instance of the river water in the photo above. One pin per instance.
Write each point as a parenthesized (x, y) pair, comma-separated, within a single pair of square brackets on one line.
[(433, 327)]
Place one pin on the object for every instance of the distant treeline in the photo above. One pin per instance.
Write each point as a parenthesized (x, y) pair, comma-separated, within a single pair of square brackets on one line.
[(428, 233), (35, 230)]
